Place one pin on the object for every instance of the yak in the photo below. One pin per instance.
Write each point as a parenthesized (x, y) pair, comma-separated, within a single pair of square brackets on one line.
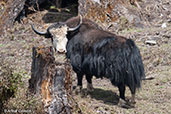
[(95, 52)]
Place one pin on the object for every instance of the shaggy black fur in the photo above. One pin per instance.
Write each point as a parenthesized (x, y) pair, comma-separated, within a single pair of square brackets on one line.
[(94, 52)]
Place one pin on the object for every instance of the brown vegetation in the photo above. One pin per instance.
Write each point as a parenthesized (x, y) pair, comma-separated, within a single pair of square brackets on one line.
[(154, 97)]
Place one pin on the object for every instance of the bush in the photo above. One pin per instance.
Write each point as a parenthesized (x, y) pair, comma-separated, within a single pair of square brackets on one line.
[(9, 82)]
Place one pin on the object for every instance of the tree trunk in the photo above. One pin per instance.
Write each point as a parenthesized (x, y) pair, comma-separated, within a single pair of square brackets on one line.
[(58, 3), (9, 10), (52, 80)]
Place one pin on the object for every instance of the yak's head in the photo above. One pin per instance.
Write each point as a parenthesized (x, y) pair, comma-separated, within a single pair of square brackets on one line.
[(57, 32)]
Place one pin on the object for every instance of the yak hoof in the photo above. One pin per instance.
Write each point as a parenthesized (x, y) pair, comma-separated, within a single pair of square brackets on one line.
[(122, 103), (132, 102), (90, 87), (78, 90)]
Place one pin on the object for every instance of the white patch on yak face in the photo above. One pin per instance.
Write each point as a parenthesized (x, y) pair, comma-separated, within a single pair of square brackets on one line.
[(59, 38)]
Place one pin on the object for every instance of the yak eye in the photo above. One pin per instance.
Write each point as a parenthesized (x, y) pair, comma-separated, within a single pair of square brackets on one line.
[(60, 26)]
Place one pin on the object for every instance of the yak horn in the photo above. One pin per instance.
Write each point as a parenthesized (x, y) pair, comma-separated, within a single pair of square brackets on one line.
[(39, 33), (72, 29)]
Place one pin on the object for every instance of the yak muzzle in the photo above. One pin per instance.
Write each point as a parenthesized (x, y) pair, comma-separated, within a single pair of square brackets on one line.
[(61, 51)]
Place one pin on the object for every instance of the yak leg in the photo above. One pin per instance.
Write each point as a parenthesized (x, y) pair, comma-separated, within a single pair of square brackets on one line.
[(132, 95), (133, 99), (121, 95), (79, 83), (89, 83), (122, 91), (79, 79)]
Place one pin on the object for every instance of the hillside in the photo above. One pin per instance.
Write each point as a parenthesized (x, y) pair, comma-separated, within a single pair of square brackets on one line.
[(154, 96)]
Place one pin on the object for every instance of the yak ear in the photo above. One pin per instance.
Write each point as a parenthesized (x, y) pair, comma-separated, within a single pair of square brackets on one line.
[(48, 36)]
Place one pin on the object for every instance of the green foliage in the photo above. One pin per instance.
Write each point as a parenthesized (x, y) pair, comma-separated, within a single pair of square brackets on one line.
[(52, 7), (9, 81), (15, 81)]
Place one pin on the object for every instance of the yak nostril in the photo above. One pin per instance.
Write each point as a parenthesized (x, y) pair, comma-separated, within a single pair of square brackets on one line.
[(61, 51)]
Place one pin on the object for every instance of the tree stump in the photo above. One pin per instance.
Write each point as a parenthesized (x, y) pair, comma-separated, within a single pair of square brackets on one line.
[(52, 80)]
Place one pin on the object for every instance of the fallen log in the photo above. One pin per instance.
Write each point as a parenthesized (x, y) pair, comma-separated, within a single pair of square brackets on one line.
[(52, 80)]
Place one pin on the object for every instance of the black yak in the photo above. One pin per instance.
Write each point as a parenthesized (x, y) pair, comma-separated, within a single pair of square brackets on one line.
[(95, 52)]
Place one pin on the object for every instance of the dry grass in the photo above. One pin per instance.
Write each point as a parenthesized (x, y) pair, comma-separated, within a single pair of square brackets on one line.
[(154, 97)]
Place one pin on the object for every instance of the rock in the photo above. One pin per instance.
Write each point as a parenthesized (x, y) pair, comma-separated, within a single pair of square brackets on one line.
[(168, 91), (163, 25), (169, 20), (97, 1), (110, 11), (151, 42)]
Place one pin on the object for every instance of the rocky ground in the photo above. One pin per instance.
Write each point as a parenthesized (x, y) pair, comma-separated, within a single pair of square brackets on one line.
[(154, 96)]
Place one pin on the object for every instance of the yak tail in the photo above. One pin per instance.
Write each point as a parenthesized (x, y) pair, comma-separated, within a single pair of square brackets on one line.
[(135, 68)]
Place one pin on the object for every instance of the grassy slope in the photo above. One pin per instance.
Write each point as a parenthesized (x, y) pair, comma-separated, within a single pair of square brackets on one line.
[(154, 97)]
